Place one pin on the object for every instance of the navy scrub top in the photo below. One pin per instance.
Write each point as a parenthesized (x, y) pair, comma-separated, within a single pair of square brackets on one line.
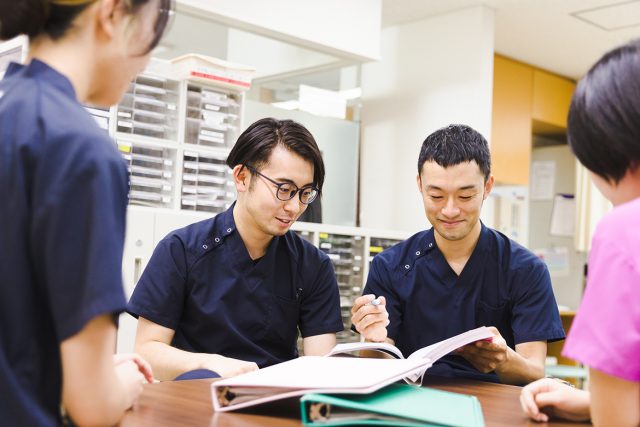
[(63, 187), (502, 285), (201, 283)]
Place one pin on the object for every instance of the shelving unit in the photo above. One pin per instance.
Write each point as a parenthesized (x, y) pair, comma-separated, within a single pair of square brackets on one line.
[(151, 173), (206, 182), (350, 250), (149, 108), (212, 117), (175, 136)]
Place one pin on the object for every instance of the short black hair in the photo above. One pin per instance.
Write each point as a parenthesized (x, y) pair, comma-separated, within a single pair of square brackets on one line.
[(603, 127), (455, 144), (35, 17), (255, 144)]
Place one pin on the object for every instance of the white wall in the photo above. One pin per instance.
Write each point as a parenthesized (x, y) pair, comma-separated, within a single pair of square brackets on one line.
[(567, 285), (338, 142), (433, 72), (346, 28), (271, 57)]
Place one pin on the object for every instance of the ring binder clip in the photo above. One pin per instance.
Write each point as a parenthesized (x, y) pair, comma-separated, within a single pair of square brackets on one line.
[(225, 396), (319, 411)]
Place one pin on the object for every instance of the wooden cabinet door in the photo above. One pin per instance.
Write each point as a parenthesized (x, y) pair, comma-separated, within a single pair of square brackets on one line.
[(511, 122), (551, 99)]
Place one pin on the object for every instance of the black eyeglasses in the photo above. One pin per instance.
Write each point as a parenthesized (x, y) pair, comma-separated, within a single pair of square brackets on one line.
[(287, 190)]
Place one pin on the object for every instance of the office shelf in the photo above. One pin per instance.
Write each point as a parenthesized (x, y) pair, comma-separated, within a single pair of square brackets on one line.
[(349, 249), (379, 244), (212, 117), (149, 108), (207, 183), (175, 136), (346, 254), (151, 173)]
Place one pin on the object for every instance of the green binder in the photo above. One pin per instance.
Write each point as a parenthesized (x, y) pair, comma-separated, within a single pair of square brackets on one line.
[(395, 405)]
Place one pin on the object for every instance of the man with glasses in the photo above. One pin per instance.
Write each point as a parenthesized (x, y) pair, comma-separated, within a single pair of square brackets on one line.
[(228, 294)]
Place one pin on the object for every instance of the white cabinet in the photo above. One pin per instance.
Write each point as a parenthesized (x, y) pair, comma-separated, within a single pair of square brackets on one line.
[(138, 247), (145, 228)]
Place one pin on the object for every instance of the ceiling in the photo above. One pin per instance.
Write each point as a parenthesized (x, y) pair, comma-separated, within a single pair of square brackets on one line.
[(563, 36)]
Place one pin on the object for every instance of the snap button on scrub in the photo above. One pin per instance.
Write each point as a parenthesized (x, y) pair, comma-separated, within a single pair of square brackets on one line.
[(417, 252), (407, 266), (217, 239), (204, 246)]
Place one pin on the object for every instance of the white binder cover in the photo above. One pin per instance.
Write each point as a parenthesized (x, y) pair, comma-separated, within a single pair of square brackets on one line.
[(311, 374)]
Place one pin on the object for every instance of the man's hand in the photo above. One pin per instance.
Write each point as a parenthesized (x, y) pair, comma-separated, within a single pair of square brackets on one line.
[(486, 356), (548, 397), (370, 320), (226, 366)]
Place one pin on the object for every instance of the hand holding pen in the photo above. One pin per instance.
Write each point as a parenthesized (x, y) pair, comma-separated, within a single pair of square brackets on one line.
[(370, 317)]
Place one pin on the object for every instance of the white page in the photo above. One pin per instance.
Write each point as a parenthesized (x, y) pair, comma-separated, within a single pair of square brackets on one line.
[(563, 216), (351, 347), (543, 177), (442, 348)]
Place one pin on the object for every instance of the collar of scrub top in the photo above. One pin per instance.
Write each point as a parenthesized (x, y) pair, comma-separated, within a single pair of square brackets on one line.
[(13, 68), (43, 72), (221, 229), (225, 227), (429, 244)]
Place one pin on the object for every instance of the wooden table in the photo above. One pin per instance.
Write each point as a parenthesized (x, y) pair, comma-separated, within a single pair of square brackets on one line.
[(188, 403)]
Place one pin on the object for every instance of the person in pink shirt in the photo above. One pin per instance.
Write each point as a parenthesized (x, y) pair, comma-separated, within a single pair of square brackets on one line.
[(604, 134)]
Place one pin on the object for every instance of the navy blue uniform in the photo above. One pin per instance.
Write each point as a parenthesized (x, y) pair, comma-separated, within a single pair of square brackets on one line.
[(202, 283), (64, 188), (502, 285)]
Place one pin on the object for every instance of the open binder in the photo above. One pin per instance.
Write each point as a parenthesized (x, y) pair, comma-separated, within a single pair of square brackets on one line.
[(395, 405), (432, 352), (311, 374)]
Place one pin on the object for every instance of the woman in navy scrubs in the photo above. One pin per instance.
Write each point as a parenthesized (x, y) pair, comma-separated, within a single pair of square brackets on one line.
[(64, 189), (229, 294)]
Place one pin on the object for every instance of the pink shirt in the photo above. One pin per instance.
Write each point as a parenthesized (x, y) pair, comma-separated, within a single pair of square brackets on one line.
[(605, 334)]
